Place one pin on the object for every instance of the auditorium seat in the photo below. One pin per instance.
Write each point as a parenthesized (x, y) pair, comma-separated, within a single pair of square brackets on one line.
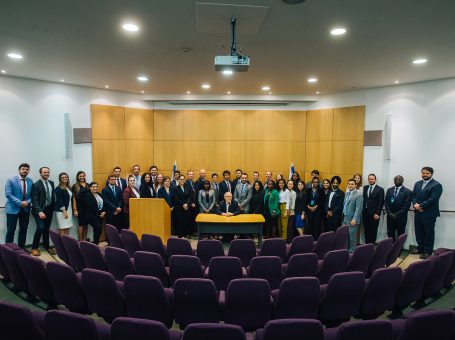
[(244, 249), (59, 324), (146, 298), (450, 277), (179, 246), (274, 247), (184, 266), (396, 249), (380, 292), (224, 269), (324, 244), (297, 297), (195, 300), (130, 241), (58, 245), (151, 264), (300, 245), (93, 255), (119, 262), (67, 286), (209, 331), (154, 244), (381, 251), (268, 268), (113, 236), (124, 328), (4, 270), (335, 261), (301, 265), (104, 294), (341, 238), (11, 259), (71, 246), (206, 249), (248, 303), (341, 298), (18, 322), (291, 329), (361, 258), (355, 330)]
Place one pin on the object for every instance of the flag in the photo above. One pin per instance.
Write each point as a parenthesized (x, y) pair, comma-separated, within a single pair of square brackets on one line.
[(174, 169), (291, 170)]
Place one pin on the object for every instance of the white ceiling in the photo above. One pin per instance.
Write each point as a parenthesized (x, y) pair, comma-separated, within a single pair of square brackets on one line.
[(82, 42)]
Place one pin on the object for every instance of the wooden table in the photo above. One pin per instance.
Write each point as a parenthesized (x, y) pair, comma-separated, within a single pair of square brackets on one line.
[(239, 224)]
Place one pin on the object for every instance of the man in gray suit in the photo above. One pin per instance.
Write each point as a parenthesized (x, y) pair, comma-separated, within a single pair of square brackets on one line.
[(242, 194), (352, 210)]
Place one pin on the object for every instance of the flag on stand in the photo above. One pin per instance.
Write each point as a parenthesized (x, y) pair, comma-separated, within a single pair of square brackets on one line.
[(291, 170), (174, 169)]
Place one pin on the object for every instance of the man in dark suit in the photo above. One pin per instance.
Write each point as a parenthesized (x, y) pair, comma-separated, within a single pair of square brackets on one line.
[(238, 175), (225, 185), (112, 197), (314, 174), (314, 205), (43, 201), (334, 205), (215, 186), (175, 180), (120, 182), (373, 201), (154, 174), (228, 207), (426, 195), (397, 202), (191, 188)]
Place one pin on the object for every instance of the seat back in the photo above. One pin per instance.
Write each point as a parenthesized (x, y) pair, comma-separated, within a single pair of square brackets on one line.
[(154, 244), (130, 241), (293, 329), (274, 247), (396, 249), (18, 323), (178, 246), (198, 331), (244, 249), (450, 277), (118, 262), (224, 269), (370, 329), (381, 251), (267, 268), (38, 284), (360, 260), (439, 270), (128, 328), (59, 324), (300, 245), (184, 266), (71, 246), (335, 261), (151, 264), (113, 236), (437, 324), (301, 265), (341, 238), (298, 297), (207, 249), (92, 255), (11, 260), (324, 244), (58, 244)]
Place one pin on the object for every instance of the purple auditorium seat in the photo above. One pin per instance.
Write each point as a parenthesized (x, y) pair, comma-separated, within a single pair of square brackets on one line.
[(11, 259), (381, 251), (424, 325), (274, 247), (146, 298), (104, 294), (298, 297), (360, 260), (18, 322), (130, 241), (195, 300), (206, 331), (450, 277), (268, 268), (184, 266), (341, 238), (206, 249), (128, 328), (291, 329), (151, 264), (380, 292), (301, 265), (38, 284), (154, 244), (300, 245), (244, 249), (93, 256), (179, 246), (71, 246), (59, 324), (58, 244), (67, 287), (341, 297), (248, 303), (224, 269), (324, 244), (113, 236), (396, 249), (4, 270), (354, 330), (414, 278), (335, 261), (118, 262)]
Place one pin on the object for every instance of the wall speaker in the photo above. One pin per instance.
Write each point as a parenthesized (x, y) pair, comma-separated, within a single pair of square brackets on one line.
[(68, 135)]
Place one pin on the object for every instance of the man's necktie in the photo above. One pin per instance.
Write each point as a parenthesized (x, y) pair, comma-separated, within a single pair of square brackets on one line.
[(370, 191), (243, 188), (346, 200), (48, 194), (24, 189), (396, 192)]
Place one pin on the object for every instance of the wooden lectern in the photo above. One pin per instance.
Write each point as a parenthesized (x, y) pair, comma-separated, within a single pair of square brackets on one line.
[(150, 216)]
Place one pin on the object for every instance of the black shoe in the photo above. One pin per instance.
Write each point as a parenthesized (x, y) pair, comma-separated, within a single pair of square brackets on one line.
[(415, 251), (424, 256)]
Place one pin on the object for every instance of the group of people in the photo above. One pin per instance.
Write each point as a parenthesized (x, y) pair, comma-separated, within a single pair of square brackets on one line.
[(290, 207)]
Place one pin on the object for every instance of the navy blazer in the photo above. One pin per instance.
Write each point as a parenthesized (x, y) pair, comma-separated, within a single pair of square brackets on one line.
[(62, 199), (111, 201), (374, 203), (39, 196), (122, 180), (145, 192), (191, 190), (318, 199), (337, 202), (428, 198), (223, 188), (398, 205), (233, 208), (162, 193)]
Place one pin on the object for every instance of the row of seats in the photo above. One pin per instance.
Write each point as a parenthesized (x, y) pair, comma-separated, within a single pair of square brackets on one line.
[(18, 322)]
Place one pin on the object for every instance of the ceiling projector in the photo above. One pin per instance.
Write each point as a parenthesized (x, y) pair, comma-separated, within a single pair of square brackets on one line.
[(234, 62)]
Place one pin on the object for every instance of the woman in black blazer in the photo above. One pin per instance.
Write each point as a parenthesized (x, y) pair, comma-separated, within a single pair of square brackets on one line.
[(79, 190), (64, 204), (181, 200), (166, 191), (146, 189), (95, 211), (257, 199)]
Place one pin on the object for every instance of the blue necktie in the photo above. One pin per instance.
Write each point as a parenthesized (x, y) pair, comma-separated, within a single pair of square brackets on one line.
[(346, 200)]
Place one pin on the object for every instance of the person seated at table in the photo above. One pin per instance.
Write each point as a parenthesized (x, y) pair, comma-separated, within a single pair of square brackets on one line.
[(228, 207)]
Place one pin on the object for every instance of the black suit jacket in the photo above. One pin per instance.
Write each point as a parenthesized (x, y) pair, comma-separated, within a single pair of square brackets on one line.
[(91, 206), (428, 198), (233, 207), (122, 181), (374, 203), (62, 199), (398, 205), (337, 202), (144, 191), (179, 197), (112, 201), (39, 196), (224, 189), (318, 199), (191, 190)]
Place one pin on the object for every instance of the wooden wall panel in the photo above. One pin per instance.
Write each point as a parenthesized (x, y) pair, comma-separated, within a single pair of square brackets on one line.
[(107, 154), (298, 153), (347, 157), (261, 155), (319, 125), (298, 120), (109, 122), (168, 125), (138, 124), (319, 156), (101, 179), (166, 152), (197, 125), (228, 125), (139, 152), (349, 123)]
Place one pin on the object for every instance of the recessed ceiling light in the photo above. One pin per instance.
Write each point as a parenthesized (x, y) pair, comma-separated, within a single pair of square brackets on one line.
[(265, 88), (62, 80), (317, 92), (106, 86), (419, 61), (15, 55), (338, 31), (142, 78), (270, 92), (130, 27), (312, 80), (205, 86), (228, 72), (188, 92), (228, 92), (142, 91), (397, 81), (3, 71)]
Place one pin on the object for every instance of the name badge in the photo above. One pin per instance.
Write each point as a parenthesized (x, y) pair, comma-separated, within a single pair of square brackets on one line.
[(392, 199), (312, 203)]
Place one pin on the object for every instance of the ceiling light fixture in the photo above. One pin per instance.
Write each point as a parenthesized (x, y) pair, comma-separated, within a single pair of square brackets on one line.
[(14, 55), (228, 72), (62, 80), (142, 91), (205, 86), (312, 80), (338, 31), (317, 92), (142, 78), (106, 86), (228, 92), (265, 88), (397, 81), (3, 71), (419, 61), (188, 92), (130, 27), (270, 92)]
